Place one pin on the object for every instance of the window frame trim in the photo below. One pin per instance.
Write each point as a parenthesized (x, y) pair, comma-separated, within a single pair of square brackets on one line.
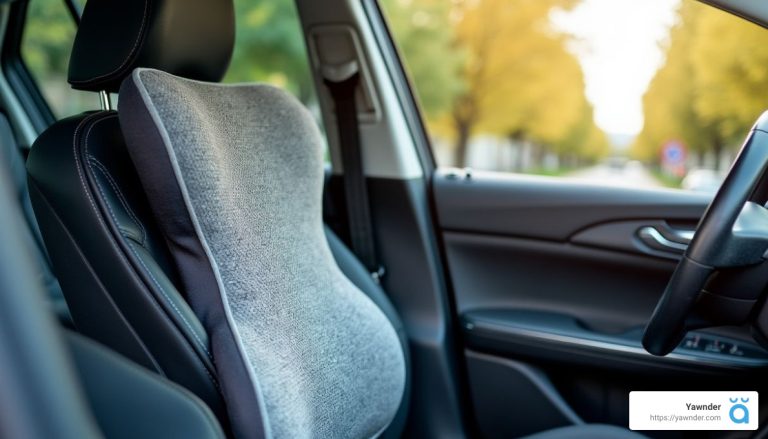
[(17, 73)]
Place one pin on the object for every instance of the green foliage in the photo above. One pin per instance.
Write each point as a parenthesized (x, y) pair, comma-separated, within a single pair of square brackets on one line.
[(48, 37), (269, 46), (45, 47), (426, 39)]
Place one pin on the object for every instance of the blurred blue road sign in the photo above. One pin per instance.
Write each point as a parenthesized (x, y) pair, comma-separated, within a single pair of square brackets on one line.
[(673, 153)]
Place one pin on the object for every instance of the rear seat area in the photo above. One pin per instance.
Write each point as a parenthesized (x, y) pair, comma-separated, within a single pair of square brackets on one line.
[(12, 157)]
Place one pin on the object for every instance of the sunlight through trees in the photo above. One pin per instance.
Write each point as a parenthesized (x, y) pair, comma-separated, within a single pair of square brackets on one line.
[(497, 67), (711, 89)]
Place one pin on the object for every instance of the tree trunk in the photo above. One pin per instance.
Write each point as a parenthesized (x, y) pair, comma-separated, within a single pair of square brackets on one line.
[(502, 162), (517, 164), (517, 143), (717, 149), (462, 143), (537, 156)]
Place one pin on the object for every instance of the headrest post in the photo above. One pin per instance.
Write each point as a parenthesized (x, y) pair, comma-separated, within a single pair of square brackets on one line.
[(106, 102)]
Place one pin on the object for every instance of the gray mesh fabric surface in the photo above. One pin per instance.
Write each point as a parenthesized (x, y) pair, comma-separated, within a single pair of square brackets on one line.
[(325, 359)]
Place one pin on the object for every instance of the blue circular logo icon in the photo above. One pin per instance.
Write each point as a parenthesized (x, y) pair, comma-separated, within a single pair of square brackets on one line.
[(739, 413)]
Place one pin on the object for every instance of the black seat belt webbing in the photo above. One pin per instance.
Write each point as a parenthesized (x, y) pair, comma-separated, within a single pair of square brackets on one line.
[(355, 189)]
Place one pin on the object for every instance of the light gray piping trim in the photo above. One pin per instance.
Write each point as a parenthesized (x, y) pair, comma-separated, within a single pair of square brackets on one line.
[(135, 77), (384, 428)]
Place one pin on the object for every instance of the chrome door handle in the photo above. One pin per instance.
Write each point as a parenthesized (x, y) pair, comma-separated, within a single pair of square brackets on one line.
[(671, 241)]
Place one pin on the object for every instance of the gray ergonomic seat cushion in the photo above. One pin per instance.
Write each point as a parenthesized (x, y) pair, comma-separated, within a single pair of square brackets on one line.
[(234, 175)]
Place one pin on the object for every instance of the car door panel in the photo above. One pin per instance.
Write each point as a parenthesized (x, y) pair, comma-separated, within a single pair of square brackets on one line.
[(550, 208), (560, 277)]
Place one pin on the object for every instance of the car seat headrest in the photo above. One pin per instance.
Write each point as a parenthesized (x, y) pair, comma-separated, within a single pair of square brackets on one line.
[(189, 38)]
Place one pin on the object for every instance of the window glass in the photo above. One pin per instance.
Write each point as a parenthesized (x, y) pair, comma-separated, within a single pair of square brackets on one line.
[(634, 92), (45, 48), (269, 47)]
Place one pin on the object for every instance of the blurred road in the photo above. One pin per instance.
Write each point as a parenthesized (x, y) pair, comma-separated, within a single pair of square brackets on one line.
[(630, 174)]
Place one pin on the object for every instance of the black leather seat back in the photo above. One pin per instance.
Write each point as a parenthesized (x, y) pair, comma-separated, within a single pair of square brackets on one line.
[(63, 385), (109, 258)]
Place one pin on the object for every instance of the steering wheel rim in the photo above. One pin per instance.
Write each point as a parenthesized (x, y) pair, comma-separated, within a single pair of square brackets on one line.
[(733, 232)]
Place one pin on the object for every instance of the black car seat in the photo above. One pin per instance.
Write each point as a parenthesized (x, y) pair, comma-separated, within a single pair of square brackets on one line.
[(122, 284), (186, 232), (58, 384)]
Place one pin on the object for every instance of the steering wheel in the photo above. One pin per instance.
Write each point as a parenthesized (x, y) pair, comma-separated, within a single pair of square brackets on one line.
[(732, 237)]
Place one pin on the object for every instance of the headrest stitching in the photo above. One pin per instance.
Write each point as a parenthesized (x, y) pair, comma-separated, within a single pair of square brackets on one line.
[(130, 54)]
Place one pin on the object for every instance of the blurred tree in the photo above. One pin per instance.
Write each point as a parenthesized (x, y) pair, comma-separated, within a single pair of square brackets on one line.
[(425, 36), (584, 142), (729, 57), (495, 67), (45, 48), (48, 38), (669, 113), (520, 80), (711, 88)]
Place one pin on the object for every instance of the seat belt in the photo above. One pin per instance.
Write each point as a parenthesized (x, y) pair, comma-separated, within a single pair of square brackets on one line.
[(342, 81)]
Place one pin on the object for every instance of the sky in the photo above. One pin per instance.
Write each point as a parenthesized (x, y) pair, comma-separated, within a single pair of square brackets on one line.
[(618, 45)]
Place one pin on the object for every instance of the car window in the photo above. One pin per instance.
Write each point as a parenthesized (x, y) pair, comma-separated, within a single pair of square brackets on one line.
[(45, 49), (631, 92)]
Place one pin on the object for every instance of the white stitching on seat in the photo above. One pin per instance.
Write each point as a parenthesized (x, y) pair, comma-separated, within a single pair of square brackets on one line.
[(120, 196), (157, 284), (101, 221), (127, 58), (162, 290)]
